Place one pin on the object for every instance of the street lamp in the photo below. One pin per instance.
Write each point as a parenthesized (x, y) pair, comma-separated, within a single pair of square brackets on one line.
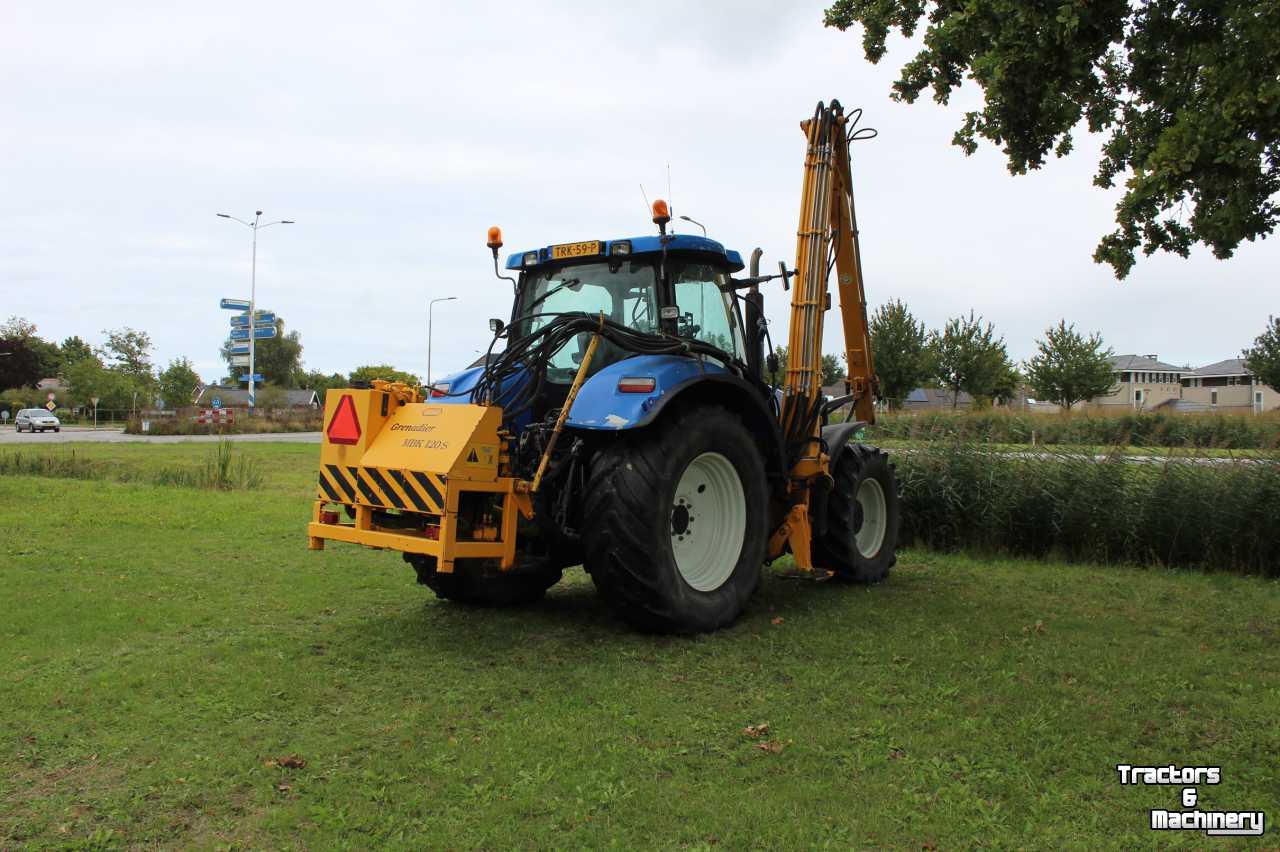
[(256, 226), (696, 222), (430, 309)]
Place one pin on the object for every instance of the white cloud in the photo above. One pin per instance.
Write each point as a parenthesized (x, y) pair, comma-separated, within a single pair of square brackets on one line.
[(397, 133)]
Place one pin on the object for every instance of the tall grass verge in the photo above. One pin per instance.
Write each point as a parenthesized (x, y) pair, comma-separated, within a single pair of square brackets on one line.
[(222, 469), (1183, 511), (1087, 428)]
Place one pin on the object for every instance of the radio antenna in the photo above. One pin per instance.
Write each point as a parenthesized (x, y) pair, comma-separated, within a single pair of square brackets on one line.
[(670, 203), (645, 196)]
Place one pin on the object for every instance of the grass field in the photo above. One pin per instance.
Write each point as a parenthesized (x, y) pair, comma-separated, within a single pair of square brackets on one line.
[(180, 671)]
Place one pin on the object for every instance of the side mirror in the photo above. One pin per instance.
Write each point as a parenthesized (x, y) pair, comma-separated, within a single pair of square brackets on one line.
[(771, 364), (496, 325)]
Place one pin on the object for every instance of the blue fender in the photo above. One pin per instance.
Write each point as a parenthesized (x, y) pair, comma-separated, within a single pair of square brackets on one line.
[(601, 406)]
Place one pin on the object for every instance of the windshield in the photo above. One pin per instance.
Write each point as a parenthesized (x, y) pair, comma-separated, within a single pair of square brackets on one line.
[(623, 290)]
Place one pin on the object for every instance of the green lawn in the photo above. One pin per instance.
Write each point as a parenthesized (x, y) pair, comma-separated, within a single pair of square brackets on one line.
[(167, 649)]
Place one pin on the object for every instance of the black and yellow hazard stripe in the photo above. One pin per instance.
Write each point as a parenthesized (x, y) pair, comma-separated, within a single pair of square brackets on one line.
[(388, 488), (336, 485)]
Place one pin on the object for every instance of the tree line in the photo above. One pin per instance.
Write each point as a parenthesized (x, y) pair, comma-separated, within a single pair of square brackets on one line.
[(966, 355), (119, 372)]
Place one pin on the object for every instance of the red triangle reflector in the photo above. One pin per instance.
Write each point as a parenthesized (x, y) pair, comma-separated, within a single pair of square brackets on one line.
[(344, 428)]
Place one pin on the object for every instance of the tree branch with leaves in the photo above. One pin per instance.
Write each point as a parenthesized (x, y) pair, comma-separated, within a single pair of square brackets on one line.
[(1188, 91)]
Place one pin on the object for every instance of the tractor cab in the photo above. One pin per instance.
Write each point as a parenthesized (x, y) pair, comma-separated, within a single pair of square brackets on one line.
[(634, 283)]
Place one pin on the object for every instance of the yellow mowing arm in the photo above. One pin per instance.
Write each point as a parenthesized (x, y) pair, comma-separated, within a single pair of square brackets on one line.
[(826, 214)]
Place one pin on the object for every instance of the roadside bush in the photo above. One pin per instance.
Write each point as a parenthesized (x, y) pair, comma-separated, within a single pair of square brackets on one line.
[(308, 421), (1181, 511), (1087, 428)]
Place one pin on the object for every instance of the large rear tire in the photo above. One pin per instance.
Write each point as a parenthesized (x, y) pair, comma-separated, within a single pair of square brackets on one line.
[(479, 582), (674, 522), (863, 517)]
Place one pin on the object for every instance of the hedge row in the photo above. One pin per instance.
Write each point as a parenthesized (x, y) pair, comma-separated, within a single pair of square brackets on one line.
[(1183, 511), (1225, 431), (307, 422)]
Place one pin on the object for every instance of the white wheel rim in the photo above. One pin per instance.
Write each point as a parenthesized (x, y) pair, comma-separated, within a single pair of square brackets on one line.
[(708, 522), (870, 535)]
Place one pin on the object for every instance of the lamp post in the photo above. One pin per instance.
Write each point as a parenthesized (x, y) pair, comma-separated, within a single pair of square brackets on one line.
[(430, 310), (696, 222), (255, 226)]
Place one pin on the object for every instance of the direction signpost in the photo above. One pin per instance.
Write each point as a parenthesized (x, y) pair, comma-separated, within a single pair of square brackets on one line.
[(94, 400), (244, 331), (250, 308)]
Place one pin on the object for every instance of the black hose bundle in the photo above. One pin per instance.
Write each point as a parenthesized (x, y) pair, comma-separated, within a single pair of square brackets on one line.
[(533, 352)]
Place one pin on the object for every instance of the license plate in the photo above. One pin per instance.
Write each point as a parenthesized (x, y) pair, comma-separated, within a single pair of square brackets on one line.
[(569, 250)]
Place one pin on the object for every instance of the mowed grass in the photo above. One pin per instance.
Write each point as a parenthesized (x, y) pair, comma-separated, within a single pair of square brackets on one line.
[(167, 649)]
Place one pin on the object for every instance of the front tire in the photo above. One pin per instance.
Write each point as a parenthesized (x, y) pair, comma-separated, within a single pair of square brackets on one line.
[(674, 522), (863, 517)]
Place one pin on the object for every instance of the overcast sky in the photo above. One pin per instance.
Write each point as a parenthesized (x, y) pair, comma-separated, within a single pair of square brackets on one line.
[(396, 132)]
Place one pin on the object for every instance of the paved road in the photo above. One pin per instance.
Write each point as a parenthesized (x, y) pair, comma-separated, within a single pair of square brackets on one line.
[(71, 434)]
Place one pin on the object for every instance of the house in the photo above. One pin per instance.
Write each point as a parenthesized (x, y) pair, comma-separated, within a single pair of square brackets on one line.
[(56, 385), (239, 398), (922, 399), (1142, 382), (1228, 386)]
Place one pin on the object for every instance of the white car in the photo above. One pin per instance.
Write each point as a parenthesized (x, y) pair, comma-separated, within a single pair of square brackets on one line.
[(36, 419)]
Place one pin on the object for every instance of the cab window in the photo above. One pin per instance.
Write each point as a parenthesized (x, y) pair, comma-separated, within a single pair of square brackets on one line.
[(706, 312)]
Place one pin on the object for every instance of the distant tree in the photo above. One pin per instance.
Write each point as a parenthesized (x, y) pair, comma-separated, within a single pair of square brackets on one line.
[(74, 349), (278, 359), (321, 383), (1069, 367), (114, 389), (177, 383), (382, 371), (1263, 357), (967, 356), (272, 398), (130, 351), (25, 358), (1010, 381), (899, 346), (832, 372)]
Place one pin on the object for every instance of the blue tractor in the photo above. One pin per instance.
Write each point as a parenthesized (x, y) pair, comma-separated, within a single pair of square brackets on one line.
[(630, 417)]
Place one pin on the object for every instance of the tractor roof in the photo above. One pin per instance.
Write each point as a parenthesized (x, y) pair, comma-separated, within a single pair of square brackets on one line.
[(650, 244)]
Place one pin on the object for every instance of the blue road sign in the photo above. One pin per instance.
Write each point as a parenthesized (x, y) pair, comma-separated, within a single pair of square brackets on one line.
[(257, 377), (238, 348), (216, 402), (234, 304), (262, 320), (258, 333)]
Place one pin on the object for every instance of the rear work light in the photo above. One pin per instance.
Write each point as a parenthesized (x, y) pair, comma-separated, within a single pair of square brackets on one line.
[(620, 247), (637, 384), (530, 259), (439, 389), (344, 428)]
